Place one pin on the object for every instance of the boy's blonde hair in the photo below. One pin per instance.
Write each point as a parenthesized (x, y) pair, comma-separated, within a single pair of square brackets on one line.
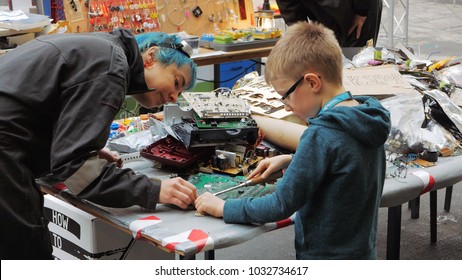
[(306, 47)]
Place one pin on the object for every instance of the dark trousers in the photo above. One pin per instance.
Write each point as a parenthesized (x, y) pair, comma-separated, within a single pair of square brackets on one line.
[(23, 228)]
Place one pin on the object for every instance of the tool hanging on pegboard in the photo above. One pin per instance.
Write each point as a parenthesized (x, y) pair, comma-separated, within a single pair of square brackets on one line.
[(57, 10)]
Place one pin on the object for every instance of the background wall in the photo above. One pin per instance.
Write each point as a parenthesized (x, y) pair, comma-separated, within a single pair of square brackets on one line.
[(192, 16), (23, 5)]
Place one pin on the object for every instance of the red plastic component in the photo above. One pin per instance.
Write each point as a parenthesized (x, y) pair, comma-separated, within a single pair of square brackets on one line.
[(170, 151)]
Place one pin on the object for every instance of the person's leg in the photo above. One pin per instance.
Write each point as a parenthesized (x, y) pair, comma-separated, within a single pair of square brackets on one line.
[(24, 233)]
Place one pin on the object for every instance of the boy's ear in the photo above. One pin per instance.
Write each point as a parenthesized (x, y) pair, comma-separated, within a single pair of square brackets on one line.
[(314, 81)]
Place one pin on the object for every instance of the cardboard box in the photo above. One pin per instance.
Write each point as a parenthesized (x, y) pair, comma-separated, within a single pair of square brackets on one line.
[(20, 39), (75, 234)]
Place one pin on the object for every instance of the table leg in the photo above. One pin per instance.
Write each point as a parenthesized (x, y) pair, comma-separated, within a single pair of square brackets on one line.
[(127, 249), (415, 207), (216, 76), (433, 204), (209, 255), (447, 199), (393, 232), (192, 257)]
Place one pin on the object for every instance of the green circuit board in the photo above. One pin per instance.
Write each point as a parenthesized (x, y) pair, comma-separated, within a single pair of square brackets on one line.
[(216, 182), (227, 124)]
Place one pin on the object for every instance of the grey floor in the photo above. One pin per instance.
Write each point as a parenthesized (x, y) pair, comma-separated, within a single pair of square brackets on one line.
[(434, 27), (434, 31)]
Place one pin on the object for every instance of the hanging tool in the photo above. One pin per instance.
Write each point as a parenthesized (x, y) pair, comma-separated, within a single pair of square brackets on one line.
[(242, 9), (252, 182)]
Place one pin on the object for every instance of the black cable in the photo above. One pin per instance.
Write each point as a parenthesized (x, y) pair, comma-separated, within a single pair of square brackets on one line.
[(230, 79), (257, 61)]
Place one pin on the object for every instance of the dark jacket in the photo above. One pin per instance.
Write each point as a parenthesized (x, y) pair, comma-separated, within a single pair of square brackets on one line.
[(337, 15), (58, 97)]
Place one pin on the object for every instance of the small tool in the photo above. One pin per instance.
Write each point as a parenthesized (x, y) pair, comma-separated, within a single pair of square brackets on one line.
[(252, 182)]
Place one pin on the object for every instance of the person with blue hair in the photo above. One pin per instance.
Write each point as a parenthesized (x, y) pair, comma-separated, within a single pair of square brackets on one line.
[(166, 55), (58, 97)]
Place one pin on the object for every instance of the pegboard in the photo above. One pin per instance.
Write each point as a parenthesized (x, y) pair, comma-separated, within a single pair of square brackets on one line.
[(204, 16), (57, 10), (76, 13), (192, 16)]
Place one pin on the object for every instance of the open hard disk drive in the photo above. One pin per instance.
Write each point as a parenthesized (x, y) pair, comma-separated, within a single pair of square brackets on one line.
[(210, 119)]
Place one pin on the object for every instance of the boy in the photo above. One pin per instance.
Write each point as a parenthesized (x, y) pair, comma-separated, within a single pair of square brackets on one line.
[(334, 181)]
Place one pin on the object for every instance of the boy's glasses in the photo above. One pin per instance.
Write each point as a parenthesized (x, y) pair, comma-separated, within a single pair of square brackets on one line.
[(291, 89)]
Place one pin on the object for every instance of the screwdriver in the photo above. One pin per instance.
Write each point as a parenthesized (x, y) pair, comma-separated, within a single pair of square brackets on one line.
[(252, 182)]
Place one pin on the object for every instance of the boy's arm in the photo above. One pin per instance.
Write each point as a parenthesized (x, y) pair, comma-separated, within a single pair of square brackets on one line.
[(301, 180)]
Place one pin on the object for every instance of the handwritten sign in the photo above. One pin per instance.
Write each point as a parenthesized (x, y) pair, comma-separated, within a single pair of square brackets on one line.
[(379, 81)]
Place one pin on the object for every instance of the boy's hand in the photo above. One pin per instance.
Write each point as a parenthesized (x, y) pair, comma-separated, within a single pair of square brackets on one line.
[(210, 204), (177, 191), (268, 166)]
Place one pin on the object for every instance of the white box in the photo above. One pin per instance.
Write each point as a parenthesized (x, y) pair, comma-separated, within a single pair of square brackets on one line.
[(75, 234)]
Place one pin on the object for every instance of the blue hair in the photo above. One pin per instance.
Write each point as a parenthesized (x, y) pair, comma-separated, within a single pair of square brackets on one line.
[(167, 55)]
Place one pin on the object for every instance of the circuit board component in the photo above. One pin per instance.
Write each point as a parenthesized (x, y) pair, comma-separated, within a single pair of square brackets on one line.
[(215, 182)]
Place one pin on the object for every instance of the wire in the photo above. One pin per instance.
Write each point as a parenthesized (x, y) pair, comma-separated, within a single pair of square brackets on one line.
[(161, 7), (432, 54), (257, 61), (230, 79), (180, 11), (127, 112)]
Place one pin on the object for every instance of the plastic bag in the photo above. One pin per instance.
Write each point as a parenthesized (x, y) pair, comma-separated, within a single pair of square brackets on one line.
[(454, 74), (132, 142), (366, 55), (440, 108), (407, 134), (363, 57)]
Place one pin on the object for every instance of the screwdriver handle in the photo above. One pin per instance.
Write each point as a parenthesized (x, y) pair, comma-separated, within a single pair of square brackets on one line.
[(258, 180), (253, 181)]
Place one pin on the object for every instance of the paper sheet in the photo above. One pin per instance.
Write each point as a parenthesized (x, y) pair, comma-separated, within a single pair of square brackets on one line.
[(12, 15), (262, 99)]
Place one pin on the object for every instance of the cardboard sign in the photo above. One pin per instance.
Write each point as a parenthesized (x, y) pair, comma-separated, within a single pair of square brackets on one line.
[(379, 81)]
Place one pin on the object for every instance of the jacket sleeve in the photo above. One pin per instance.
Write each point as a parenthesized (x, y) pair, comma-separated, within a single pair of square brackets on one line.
[(116, 187), (362, 7)]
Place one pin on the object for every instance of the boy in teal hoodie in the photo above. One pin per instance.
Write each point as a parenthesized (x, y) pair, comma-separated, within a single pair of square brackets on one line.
[(335, 179)]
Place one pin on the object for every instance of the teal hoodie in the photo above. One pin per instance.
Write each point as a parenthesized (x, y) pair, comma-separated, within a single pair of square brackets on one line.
[(334, 184)]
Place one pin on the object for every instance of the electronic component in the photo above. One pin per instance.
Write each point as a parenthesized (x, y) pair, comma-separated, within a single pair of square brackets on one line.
[(219, 117), (215, 182), (216, 105), (252, 182), (193, 136), (171, 152), (197, 12)]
